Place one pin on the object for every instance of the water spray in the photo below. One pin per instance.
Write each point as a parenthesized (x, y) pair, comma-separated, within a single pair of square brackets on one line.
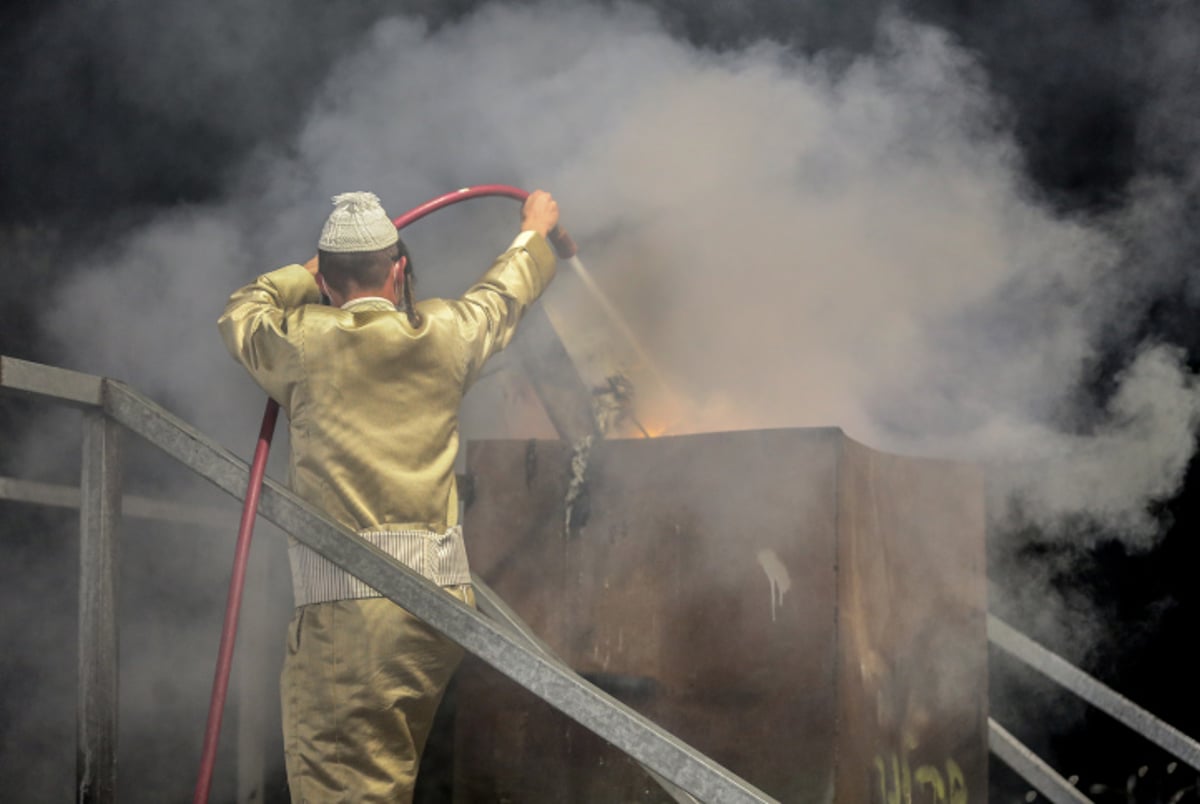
[(566, 249), (617, 319)]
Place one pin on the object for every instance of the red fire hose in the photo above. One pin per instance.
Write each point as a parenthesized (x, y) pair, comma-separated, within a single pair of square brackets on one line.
[(563, 245)]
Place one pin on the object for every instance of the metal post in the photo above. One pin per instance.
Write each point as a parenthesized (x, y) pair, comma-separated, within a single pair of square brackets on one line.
[(100, 513)]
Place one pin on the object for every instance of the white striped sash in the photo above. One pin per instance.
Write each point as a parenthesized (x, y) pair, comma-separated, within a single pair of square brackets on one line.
[(440, 557)]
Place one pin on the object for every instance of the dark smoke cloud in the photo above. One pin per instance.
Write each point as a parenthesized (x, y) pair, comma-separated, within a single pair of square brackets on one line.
[(150, 103)]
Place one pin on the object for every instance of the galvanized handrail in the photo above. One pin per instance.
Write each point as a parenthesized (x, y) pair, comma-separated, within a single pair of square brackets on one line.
[(1044, 778), (494, 606), (1031, 768), (1099, 695), (638, 737)]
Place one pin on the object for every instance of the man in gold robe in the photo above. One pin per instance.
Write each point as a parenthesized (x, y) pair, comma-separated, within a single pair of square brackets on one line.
[(371, 385)]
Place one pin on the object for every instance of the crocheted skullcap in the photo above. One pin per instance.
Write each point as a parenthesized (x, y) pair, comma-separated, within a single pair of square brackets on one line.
[(357, 223)]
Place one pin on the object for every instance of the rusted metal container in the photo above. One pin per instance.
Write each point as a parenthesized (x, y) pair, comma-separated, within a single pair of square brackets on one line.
[(805, 610)]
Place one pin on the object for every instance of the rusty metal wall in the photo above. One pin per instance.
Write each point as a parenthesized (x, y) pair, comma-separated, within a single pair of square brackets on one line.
[(727, 585), (912, 600)]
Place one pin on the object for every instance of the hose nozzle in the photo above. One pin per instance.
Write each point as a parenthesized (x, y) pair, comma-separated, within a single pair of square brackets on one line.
[(564, 246)]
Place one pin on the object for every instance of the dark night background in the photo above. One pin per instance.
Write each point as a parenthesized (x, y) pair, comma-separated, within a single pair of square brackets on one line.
[(84, 158)]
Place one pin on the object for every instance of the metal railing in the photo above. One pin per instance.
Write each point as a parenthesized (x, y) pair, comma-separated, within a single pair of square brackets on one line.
[(110, 406), (1104, 698), (494, 633)]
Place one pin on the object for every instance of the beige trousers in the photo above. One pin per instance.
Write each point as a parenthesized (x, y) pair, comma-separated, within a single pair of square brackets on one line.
[(361, 682)]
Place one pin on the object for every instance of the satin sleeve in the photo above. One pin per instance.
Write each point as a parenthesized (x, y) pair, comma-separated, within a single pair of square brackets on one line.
[(490, 310), (255, 327)]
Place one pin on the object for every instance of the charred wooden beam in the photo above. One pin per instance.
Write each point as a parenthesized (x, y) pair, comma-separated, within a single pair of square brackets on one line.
[(563, 393)]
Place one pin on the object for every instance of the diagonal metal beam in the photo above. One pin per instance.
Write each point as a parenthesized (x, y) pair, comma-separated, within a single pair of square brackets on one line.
[(1104, 698), (602, 714), (62, 385), (1031, 768), (494, 606)]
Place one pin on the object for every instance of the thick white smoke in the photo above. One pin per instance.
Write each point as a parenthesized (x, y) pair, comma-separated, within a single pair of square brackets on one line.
[(796, 242)]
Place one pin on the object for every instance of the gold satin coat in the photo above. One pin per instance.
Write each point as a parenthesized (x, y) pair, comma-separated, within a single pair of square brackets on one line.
[(373, 403)]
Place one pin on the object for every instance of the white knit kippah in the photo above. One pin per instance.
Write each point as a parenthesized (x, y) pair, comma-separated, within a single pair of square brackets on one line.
[(357, 223)]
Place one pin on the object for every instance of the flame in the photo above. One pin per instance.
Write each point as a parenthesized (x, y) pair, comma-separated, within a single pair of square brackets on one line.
[(656, 430), (650, 429), (662, 416), (676, 417)]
